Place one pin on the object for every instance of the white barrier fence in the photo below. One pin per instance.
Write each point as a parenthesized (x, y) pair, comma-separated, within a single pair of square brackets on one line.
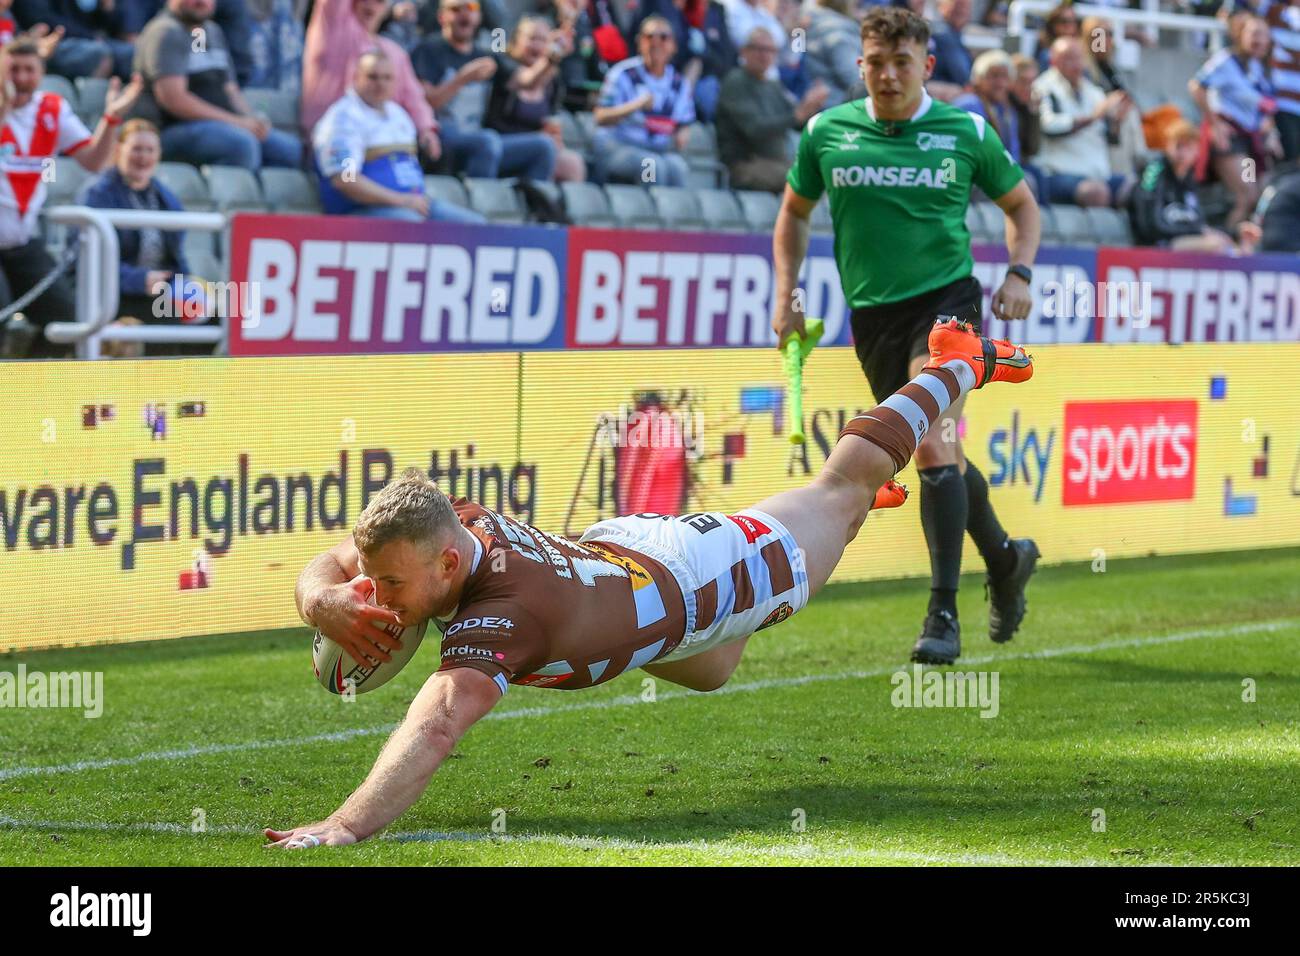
[(1151, 18), (98, 294)]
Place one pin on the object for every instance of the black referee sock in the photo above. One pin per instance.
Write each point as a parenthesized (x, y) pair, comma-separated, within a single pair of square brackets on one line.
[(985, 529), (943, 518)]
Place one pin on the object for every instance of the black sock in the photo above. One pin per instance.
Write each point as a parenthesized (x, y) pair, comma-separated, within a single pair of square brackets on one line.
[(985, 529), (943, 518)]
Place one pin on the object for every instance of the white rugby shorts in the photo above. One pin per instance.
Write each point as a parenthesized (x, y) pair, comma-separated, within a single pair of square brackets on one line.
[(738, 573)]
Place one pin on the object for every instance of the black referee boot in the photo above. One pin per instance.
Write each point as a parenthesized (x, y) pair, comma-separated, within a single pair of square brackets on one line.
[(1006, 594), (940, 640)]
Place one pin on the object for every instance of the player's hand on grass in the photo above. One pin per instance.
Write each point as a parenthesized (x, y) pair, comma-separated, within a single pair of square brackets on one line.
[(346, 617), (1013, 298), (324, 833)]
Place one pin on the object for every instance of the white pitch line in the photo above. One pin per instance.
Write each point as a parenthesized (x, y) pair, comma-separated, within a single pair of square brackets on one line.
[(723, 851), (626, 700)]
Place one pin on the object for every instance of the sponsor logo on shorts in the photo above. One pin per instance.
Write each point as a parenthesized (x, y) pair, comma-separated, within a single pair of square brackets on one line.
[(543, 680), (701, 521), (777, 616), (753, 528), (1129, 451)]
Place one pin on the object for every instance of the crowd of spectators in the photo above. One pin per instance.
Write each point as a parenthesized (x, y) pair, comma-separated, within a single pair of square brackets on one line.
[(392, 91)]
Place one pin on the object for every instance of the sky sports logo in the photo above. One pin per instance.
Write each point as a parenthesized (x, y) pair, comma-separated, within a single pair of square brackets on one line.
[(1118, 452), (1021, 455)]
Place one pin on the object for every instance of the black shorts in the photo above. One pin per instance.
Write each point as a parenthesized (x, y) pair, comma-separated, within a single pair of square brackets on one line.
[(887, 337)]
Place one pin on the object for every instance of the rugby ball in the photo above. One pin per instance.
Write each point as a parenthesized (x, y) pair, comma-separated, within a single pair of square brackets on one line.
[(338, 671)]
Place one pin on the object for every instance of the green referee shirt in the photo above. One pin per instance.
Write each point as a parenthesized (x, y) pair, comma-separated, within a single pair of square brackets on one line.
[(898, 201)]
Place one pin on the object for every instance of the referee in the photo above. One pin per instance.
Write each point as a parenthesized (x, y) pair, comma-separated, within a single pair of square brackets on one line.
[(899, 168)]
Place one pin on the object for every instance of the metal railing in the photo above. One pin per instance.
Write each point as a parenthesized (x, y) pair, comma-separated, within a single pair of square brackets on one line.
[(98, 295), (1151, 18)]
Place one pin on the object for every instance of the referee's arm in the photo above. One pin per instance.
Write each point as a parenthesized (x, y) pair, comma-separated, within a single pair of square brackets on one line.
[(789, 246), (1013, 298)]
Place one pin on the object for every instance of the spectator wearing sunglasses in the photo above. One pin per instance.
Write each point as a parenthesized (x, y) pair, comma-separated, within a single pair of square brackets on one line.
[(644, 109)]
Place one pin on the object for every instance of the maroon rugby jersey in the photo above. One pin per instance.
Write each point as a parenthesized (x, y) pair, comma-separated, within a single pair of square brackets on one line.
[(542, 610)]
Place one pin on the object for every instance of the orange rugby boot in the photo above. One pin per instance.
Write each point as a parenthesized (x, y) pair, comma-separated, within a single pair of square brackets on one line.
[(890, 495), (991, 360)]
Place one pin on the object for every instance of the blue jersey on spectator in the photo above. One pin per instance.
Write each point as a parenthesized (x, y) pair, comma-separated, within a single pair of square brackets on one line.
[(1235, 91), (673, 106)]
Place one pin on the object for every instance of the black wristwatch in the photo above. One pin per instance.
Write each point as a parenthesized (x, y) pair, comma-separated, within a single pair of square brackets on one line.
[(1022, 271)]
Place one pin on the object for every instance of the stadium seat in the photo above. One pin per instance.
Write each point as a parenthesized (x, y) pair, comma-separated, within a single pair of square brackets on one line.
[(701, 155), (760, 209), (446, 188), (280, 107), (821, 218), (289, 190), (707, 174), (632, 207), (1050, 235), (551, 190), (212, 268), (1110, 226), (976, 223), (201, 254), (184, 180), (234, 189), (995, 224), (496, 199), (68, 180), (1164, 72), (91, 93), (587, 205), (53, 83), (574, 136), (701, 140), (677, 207), (721, 210), (587, 123), (1073, 226)]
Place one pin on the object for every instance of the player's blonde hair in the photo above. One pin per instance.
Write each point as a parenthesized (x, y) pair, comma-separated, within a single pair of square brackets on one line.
[(408, 509)]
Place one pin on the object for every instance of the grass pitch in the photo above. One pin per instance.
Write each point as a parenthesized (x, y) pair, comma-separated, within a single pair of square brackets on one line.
[(1120, 704)]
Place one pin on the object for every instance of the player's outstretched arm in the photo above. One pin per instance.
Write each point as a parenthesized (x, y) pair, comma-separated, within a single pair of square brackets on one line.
[(447, 706)]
